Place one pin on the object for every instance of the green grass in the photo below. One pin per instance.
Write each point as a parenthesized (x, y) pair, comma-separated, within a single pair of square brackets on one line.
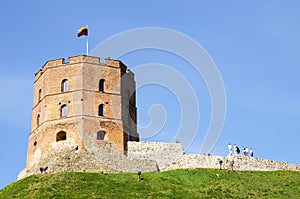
[(198, 183)]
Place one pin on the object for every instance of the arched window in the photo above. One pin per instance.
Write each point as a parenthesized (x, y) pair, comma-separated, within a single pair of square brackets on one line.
[(101, 135), (64, 111), (64, 85), (61, 136), (38, 120), (101, 110), (101, 85), (40, 95)]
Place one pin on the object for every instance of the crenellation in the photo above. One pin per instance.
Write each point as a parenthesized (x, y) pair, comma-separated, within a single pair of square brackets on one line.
[(85, 59), (38, 74), (53, 63), (115, 63)]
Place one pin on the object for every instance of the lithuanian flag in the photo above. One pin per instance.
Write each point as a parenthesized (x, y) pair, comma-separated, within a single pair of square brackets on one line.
[(83, 31)]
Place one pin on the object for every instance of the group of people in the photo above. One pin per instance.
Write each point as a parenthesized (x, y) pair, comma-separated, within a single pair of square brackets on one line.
[(236, 150)]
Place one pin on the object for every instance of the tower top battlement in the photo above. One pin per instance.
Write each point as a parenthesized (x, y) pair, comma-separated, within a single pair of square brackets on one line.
[(79, 59)]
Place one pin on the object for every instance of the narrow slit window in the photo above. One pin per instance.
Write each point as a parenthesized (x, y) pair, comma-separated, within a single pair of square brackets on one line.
[(101, 110), (128, 136), (64, 111), (64, 85), (101, 85), (38, 120), (40, 95)]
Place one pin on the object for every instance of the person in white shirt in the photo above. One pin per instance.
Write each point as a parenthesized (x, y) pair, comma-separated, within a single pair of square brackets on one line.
[(251, 152), (230, 148)]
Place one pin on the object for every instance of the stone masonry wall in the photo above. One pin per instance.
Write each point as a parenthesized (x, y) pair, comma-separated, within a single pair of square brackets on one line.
[(163, 153), (171, 156), (144, 156), (98, 157)]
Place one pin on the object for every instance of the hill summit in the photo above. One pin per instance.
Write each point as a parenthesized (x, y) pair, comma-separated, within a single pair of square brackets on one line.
[(183, 183)]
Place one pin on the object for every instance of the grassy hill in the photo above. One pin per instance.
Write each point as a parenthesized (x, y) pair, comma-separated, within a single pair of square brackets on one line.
[(198, 183)]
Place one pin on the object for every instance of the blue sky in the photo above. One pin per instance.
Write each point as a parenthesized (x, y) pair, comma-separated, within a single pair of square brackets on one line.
[(255, 45)]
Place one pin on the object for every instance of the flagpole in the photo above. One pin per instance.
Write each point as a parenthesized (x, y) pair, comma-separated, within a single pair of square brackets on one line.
[(84, 32), (87, 45)]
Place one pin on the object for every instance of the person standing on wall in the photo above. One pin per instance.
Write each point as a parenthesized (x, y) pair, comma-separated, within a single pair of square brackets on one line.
[(238, 150), (230, 149), (251, 153), (234, 149), (244, 150)]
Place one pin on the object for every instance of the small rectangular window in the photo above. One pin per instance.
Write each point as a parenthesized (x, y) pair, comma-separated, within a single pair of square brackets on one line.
[(64, 111), (101, 85), (64, 85), (101, 110)]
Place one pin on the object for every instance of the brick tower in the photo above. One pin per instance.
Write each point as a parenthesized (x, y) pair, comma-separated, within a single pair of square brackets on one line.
[(78, 99)]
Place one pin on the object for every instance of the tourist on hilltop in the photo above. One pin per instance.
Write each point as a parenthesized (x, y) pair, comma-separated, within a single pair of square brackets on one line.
[(251, 152), (247, 151), (230, 148), (244, 150), (234, 149), (238, 150)]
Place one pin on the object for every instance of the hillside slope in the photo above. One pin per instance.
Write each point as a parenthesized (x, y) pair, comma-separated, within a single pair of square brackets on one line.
[(198, 183)]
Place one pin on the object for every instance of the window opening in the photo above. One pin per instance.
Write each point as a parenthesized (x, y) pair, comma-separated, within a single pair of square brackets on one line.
[(64, 111), (101, 85), (64, 85), (101, 135), (60, 136), (101, 110)]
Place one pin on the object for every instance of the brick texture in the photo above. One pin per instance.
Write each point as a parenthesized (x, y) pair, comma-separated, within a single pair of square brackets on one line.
[(82, 99)]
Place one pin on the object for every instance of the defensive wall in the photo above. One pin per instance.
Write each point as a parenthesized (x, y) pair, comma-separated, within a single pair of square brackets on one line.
[(142, 156), (171, 156)]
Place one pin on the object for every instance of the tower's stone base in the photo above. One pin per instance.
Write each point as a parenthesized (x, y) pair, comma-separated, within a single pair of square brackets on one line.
[(99, 157)]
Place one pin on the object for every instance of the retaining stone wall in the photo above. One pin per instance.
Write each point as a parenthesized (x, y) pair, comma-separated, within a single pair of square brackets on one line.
[(171, 156), (163, 153), (144, 156), (101, 157)]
